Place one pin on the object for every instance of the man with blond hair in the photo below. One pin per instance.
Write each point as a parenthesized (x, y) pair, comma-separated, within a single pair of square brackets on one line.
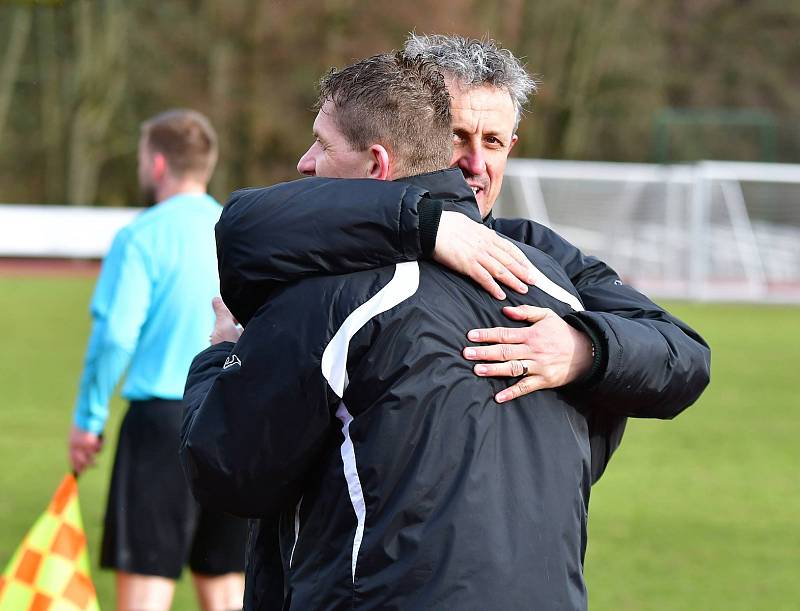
[(151, 316)]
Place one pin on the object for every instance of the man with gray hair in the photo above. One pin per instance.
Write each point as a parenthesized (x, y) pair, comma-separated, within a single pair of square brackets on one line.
[(624, 355), (489, 88)]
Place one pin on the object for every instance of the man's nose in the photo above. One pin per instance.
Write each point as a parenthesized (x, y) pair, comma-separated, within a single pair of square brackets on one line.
[(471, 161), (306, 164)]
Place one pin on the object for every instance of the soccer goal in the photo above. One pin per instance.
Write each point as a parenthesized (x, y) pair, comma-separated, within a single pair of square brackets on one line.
[(705, 231)]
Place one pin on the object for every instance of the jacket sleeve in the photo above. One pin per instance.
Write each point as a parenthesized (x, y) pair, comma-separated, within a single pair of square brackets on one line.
[(655, 365), (271, 236), (255, 413)]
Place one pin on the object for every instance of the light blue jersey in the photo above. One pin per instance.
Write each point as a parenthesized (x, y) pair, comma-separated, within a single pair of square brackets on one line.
[(151, 306)]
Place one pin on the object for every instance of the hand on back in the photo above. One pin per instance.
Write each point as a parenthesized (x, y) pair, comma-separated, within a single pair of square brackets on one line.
[(474, 250), (548, 354), (226, 328)]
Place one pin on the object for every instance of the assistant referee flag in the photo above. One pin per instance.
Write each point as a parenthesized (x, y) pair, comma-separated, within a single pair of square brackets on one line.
[(50, 569)]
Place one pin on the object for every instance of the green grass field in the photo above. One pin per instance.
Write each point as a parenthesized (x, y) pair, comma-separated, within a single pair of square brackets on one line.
[(696, 514)]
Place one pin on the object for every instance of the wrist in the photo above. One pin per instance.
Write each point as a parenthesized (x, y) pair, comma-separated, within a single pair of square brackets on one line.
[(598, 363), (430, 213)]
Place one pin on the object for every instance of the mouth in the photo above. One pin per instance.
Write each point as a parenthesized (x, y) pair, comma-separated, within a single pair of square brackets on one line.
[(476, 189)]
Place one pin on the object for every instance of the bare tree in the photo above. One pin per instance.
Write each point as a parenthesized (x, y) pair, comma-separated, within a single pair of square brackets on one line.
[(12, 58), (51, 103), (100, 54)]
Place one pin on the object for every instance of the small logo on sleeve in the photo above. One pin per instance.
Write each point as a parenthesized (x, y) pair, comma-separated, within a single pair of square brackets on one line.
[(231, 361)]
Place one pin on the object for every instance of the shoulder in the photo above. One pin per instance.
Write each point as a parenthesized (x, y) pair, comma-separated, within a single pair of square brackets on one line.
[(183, 212), (346, 292), (322, 304), (528, 231), (314, 189), (127, 237), (542, 238)]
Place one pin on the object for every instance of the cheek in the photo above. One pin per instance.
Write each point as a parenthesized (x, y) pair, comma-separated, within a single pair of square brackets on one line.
[(496, 165), (462, 153)]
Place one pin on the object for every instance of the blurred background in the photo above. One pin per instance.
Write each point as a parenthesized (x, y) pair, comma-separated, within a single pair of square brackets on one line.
[(665, 139), (622, 80)]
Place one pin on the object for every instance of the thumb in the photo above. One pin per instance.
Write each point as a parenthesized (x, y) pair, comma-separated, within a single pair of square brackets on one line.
[(526, 312), (220, 309)]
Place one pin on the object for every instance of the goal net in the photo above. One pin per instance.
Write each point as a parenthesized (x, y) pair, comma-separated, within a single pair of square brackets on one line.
[(707, 231)]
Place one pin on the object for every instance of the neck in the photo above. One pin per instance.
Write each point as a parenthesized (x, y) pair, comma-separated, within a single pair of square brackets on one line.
[(171, 187)]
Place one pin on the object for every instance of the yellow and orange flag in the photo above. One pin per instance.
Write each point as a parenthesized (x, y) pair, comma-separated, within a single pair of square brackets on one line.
[(50, 569)]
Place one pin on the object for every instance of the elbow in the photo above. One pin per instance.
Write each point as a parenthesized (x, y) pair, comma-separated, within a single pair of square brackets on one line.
[(216, 484), (697, 375), (197, 475), (686, 388), (701, 378), (118, 344), (665, 396)]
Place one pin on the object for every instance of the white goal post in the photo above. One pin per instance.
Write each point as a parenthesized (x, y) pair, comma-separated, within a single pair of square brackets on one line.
[(706, 231)]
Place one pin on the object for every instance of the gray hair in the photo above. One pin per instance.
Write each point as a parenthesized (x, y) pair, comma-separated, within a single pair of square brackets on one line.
[(475, 63)]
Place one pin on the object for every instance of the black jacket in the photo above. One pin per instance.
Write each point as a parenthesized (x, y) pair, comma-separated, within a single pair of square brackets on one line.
[(346, 413), (653, 365)]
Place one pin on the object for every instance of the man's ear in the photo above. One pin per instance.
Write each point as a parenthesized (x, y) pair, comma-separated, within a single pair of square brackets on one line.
[(514, 139), (378, 163), (159, 166)]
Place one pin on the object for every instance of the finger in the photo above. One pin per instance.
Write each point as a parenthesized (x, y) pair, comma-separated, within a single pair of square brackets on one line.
[(480, 275), (510, 369), (74, 462), (526, 385), (526, 312), (78, 460), (526, 270), (507, 270), (496, 352), (501, 335), (520, 272)]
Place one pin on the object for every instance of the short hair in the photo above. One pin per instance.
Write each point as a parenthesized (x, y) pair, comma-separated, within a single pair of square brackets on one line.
[(187, 140), (475, 63), (397, 101)]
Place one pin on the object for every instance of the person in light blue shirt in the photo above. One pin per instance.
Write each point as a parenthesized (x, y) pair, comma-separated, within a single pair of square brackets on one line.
[(140, 313), (151, 315)]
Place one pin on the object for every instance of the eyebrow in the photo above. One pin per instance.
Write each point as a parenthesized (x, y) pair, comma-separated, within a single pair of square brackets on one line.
[(494, 132)]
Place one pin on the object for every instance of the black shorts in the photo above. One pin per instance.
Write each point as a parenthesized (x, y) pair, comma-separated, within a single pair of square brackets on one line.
[(153, 525)]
